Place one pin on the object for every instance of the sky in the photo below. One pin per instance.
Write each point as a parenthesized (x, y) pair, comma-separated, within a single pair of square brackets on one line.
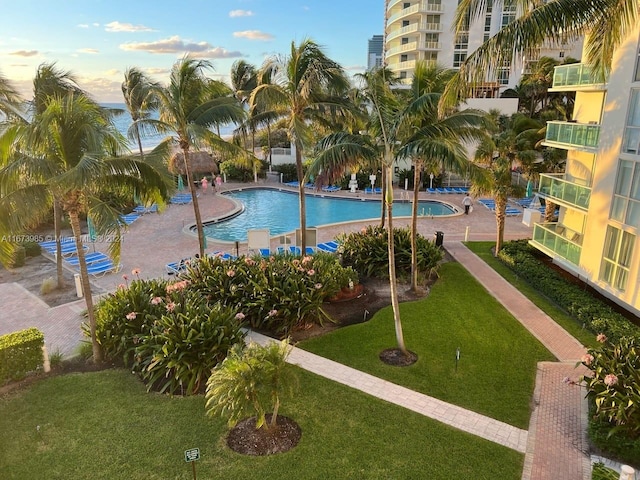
[(97, 40)]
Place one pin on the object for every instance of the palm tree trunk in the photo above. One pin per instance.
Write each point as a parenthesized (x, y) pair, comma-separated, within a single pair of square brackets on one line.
[(303, 208), (501, 205), (549, 210), (274, 414), (414, 226), (392, 267), (384, 193), (269, 143), (86, 286), (57, 231), (194, 196), (140, 144)]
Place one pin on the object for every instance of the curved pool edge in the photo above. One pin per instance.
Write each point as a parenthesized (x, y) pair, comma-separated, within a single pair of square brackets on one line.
[(189, 229)]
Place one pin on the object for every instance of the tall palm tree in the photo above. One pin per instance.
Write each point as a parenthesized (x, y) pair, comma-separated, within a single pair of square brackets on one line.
[(244, 79), (136, 90), (339, 151), (497, 154), (434, 140), (76, 135), (306, 86), (556, 21), (189, 107)]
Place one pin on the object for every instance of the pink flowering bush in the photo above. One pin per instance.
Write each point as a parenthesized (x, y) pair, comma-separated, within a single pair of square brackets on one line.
[(614, 384)]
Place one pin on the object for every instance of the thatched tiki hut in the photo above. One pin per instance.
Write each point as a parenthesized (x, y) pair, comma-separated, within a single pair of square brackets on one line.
[(199, 163)]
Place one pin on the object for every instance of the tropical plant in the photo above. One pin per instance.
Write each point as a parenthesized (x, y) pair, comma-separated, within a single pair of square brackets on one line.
[(614, 383), (70, 163), (304, 87), (434, 140), (558, 21), (251, 381), (136, 90), (189, 107)]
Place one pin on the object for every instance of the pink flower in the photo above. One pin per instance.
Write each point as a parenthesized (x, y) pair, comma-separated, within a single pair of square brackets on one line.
[(131, 316), (135, 271), (306, 259), (230, 273), (587, 359), (177, 286), (295, 262), (601, 338), (311, 272), (273, 313), (249, 261), (318, 286), (122, 286), (156, 300), (610, 380), (240, 316), (171, 306), (125, 276)]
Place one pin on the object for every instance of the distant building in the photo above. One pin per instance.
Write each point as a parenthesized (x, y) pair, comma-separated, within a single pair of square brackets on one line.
[(374, 52), (422, 30), (596, 234)]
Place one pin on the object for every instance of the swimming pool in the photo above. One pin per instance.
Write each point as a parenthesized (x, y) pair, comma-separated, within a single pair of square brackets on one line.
[(279, 211)]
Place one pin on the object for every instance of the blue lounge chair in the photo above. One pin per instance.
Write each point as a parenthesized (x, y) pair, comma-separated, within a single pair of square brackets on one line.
[(89, 258), (52, 243), (67, 249), (292, 184), (129, 218), (142, 209), (331, 188), (222, 255), (440, 190), (431, 190), (102, 268), (325, 247), (450, 190)]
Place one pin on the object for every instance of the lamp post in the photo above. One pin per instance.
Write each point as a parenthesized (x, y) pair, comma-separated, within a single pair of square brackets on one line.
[(431, 180)]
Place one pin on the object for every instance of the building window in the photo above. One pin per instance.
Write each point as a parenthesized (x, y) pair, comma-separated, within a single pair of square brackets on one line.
[(561, 55), (508, 12), (462, 41), (459, 58), (404, 58), (626, 199), (503, 76), (631, 142), (616, 257)]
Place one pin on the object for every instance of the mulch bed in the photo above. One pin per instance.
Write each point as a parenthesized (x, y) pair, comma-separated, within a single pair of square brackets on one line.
[(246, 439)]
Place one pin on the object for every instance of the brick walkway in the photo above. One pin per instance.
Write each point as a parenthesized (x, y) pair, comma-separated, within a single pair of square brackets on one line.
[(555, 444)]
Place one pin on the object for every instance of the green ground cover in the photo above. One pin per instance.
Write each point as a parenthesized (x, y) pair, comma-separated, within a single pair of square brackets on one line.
[(103, 425), (562, 318), (498, 356)]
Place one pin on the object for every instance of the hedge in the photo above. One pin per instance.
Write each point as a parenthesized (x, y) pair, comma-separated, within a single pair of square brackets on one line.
[(20, 353)]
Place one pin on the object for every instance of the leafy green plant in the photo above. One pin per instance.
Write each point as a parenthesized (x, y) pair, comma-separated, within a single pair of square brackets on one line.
[(179, 350), (250, 381), (55, 358), (48, 285), (366, 252), (614, 384)]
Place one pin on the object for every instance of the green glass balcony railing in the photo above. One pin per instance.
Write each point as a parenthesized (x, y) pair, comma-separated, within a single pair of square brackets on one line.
[(557, 188), (573, 134), (555, 239), (573, 75)]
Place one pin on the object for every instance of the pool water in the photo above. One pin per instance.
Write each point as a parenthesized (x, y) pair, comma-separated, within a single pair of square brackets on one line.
[(279, 211)]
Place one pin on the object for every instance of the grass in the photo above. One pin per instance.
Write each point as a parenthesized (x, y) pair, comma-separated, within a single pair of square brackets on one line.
[(560, 316), (103, 425), (498, 356)]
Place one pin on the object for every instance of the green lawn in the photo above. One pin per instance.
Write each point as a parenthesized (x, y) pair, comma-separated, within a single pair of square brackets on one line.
[(498, 357), (103, 425), (562, 318)]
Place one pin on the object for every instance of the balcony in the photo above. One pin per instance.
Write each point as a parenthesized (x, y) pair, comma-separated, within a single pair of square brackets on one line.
[(574, 76), (413, 47), (422, 7), (413, 28), (408, 65), (557, 241), (563, 192), (572, 135)]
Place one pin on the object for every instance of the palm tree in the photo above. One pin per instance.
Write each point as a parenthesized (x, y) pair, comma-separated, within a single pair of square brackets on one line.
[(136, 89), (497, 154), (306, 86), (76, 135), (244, 79), (556, 21), (434, 140), (340, 151), (189, 107)]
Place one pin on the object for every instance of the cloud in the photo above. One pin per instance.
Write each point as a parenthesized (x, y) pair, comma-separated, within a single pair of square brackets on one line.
[(113, 71), (254, 35), (24, 53), (240, 13), (355, 68), (126, 27), (176, 45), (92, 51), (156, 70), (83, 25)]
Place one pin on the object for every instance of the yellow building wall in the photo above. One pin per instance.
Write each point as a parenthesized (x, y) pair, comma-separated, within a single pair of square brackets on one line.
[(588, 106), (580, 166)]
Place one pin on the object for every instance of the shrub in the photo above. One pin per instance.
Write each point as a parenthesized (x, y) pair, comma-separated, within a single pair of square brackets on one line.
[(20, 353), (179, 350), (249, 381), (55, 358), (288, 170), (367, 252), (48, 285), (18, 256), (590, 311), (31, 249)]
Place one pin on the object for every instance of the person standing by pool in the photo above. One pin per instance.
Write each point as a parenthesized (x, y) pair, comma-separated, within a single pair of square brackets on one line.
[(466, 203), (204, 183), (218, 183)]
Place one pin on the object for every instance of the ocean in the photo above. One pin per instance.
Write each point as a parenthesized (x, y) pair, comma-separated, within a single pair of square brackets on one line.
[(123, 122)]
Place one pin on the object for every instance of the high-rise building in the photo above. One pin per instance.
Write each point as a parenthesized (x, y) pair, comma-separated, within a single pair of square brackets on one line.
[(423, 30), (596, 234), (374, 52)]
